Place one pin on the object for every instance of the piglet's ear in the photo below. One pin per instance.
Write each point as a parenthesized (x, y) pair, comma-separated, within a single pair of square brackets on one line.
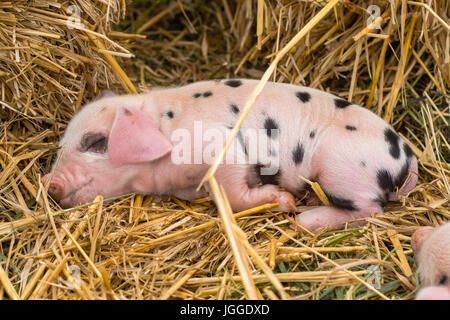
[(134, 138), (106, 93), (418, 237)]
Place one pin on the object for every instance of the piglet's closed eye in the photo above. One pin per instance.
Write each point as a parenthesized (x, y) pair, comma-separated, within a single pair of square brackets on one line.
[(134, 138)]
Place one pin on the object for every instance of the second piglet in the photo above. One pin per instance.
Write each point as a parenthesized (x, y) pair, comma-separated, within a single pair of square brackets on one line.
[(432, 252), (163, 142)]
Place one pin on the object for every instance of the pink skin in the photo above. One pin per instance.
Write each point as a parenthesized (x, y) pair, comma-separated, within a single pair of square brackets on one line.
[(341, 147), (432, 252)]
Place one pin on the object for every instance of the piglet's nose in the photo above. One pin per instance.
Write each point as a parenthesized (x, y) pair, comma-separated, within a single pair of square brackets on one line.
[(55, 189)]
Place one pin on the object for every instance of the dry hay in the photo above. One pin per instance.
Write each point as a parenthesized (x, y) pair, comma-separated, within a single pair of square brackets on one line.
[(151, 248)]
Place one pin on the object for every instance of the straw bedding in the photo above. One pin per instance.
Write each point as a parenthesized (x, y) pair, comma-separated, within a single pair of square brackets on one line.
[(139, 247)]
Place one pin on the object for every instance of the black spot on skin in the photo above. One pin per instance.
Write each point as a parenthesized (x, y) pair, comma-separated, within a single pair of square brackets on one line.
[(312, 134), (388, 183), (197, 95), (234, 108), (342, 203), (385, 180), (267, 179), (170, 114), (443, 280), (93, 142), (393, 139), (298, 153), (363, 164), (350, 128), (402, 175), (272, 152), (341, 103), (408, 151), (207, 94), (241, 140), (233, 83), (303, 96), (270, 124), (382, 200)]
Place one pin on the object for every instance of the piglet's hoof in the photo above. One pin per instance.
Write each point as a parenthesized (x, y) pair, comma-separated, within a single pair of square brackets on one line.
[(286, 201), (273, 194)]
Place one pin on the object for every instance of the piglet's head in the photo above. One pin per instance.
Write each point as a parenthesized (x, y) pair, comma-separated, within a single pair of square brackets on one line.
[(432, 252), (104, 147)]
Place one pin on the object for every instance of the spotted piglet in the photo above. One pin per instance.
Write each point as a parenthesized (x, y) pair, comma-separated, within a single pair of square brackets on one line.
[(163, 142), (432, 252)]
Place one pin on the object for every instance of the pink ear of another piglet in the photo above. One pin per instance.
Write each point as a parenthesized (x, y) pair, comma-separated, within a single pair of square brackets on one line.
[(106, 93), (418, 236), (134, 138)]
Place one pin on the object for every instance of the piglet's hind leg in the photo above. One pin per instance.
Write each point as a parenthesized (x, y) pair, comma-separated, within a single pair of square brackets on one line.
[(333, 217), (241, 197)]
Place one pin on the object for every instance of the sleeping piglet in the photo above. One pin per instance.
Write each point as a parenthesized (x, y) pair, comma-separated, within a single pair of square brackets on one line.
[(431, 248), (163, 142)]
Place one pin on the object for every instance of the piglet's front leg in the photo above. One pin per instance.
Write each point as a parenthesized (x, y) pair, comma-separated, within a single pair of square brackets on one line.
[(233, 179)]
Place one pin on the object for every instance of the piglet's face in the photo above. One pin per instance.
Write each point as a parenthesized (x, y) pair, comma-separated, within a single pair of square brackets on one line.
[(432, 252), (103, 148)]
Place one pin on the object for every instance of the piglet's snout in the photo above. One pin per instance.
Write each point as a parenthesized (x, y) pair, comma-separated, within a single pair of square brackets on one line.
[(55, 189)]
